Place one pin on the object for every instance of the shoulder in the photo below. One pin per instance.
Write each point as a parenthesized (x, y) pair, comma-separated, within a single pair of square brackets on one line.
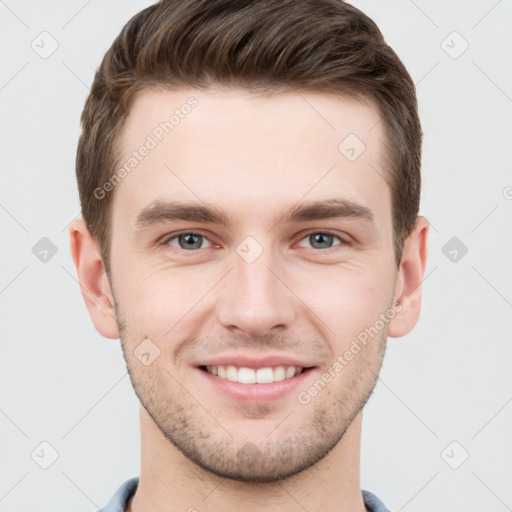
[(372, 503), (121, 497)]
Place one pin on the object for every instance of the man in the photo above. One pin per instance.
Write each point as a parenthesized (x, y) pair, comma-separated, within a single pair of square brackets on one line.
[(249, 174)]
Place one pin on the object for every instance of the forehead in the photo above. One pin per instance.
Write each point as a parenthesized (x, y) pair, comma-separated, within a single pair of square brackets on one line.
[(248, 152)]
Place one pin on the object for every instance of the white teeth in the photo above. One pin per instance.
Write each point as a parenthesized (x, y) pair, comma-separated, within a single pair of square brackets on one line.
[(290, 372), (264, 375), (231, 373), (246, 375), (279, 373)]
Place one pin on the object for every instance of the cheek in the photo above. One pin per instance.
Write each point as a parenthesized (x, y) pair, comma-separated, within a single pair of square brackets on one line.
[(159, 302), (351, 300), (162, 301)]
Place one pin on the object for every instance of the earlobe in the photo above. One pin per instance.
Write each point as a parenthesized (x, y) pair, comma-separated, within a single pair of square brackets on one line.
[(409, 279), (93, 279)]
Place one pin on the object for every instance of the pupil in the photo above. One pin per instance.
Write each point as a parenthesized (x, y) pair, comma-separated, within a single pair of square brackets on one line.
[(190, 240), (321, 238)]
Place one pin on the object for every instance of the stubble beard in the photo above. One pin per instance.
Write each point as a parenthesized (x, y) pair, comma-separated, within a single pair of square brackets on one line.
[(192, 428)]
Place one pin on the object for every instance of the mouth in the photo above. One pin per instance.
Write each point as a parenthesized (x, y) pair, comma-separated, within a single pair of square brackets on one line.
[(246, 375), (254, 383)]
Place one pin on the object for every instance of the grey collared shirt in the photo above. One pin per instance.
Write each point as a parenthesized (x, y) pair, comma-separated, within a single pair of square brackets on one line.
[(120, 499)]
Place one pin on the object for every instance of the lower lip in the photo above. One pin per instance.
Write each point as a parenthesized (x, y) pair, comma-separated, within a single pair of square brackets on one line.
[(255, 393)]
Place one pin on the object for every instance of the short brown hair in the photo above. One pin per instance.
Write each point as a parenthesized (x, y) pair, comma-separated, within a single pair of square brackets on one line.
[(263, 45)]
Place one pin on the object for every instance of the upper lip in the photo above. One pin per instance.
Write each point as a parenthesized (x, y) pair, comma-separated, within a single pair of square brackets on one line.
[(254, 362)]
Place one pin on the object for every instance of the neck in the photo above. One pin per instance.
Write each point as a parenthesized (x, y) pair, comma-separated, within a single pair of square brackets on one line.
[(169, 481)]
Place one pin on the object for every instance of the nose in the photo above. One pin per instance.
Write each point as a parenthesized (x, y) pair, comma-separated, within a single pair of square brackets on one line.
[(253, 299)]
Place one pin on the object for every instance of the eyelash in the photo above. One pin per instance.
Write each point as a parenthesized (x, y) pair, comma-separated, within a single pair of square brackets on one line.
[(322, 232)]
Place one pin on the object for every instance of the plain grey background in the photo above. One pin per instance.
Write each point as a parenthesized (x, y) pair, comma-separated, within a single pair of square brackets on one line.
[(436, 433)]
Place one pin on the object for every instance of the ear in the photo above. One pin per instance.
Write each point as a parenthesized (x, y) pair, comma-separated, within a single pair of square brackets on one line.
[(408, 281), (93, 279)]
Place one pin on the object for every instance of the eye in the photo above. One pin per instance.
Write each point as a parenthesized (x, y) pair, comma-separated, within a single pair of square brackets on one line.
[(192, 241), (187, 241), (323, 239)]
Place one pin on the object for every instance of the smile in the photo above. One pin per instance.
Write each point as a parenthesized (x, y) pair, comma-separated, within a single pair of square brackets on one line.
[(245, 375)]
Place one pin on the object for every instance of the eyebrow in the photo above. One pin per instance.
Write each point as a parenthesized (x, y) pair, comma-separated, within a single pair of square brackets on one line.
[(159, 211)]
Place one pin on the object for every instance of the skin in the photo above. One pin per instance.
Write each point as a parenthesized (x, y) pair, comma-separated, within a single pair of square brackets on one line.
[(252, 156)]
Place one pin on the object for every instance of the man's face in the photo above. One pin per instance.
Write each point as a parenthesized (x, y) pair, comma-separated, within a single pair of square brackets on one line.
[(268, 290)]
